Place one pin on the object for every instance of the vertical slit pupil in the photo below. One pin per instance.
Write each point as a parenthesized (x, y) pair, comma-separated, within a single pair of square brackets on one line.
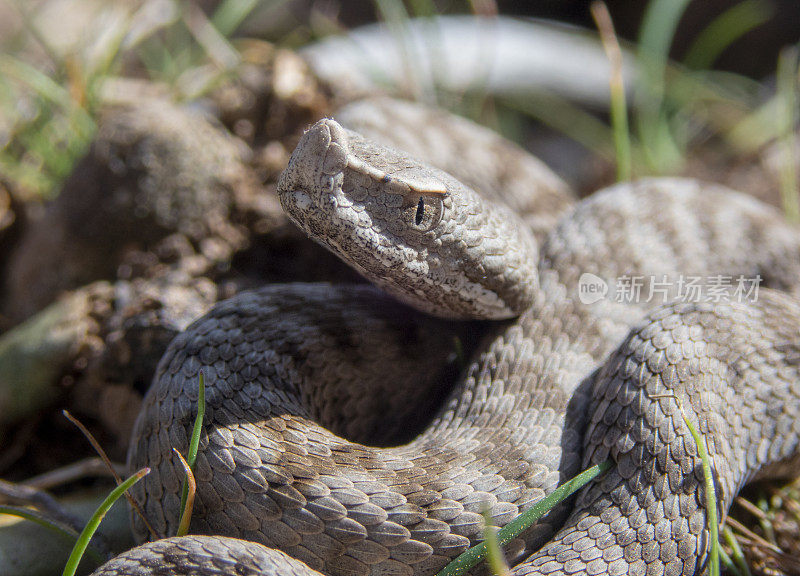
[(420, 211)]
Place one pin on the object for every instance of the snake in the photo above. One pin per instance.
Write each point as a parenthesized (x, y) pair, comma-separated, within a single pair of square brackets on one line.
[(354, 430)]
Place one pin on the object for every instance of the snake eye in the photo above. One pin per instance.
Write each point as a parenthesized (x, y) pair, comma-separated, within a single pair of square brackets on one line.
[(422, 213)]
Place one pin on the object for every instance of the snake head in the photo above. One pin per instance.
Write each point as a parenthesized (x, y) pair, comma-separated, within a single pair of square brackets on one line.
[(408, 227)]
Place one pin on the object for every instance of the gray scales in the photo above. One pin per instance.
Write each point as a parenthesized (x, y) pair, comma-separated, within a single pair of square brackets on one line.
[(300, 375)]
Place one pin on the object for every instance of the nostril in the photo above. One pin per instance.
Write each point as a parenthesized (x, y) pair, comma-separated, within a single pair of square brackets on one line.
[(335, 159), (301, 200)]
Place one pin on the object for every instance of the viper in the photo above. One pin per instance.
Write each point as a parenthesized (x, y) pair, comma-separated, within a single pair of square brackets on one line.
[(593, 350)]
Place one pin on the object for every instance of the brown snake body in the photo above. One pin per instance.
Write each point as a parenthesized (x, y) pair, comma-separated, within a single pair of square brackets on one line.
[(558, 384)]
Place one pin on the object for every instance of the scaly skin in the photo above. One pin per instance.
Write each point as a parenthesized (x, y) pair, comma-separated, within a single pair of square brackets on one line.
[(558, 386)]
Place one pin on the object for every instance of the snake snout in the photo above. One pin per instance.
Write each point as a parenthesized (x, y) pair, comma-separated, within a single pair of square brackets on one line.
[(314, 171), (320, 157), (325, 146)]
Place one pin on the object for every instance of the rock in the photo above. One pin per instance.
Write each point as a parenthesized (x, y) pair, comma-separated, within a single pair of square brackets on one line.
[(153, 170)]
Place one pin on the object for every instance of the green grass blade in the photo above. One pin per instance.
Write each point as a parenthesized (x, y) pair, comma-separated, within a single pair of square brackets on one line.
[(156, 59), (524, 521), (724, 30), (708, 485), (727, 563), (711, 496), (513, 529), (230, 14), (658, 29), (568, 119), (39, 82), (43, 149), (194, 445), (57, 143), (738, 557), (83, 540), (423, 8), (766, 519), (659, 23), (26, 176), (42, 520), (194, 442), (787, 92), (208, 37), (757, 128), (494, 555)]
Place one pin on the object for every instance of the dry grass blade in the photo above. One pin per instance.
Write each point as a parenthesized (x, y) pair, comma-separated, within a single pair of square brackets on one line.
[(765, 558), (186, 513), (107, 461), (752, 537), (752, 508), (44, 510), (771, 538), (29, 496), (485, 8), (215, 44), (85, 468)]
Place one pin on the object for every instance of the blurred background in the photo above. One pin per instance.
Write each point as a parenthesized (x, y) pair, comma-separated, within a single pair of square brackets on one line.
[(59, 55)]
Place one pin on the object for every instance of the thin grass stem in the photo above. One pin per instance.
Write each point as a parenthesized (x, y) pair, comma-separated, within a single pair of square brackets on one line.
[(494, 554), (110, 467), (736, 552), (727, 563), (709, 489), (619, 107), (724, 30)]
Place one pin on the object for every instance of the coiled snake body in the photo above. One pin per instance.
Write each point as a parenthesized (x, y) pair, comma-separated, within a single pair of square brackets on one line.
[(560, 382)]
